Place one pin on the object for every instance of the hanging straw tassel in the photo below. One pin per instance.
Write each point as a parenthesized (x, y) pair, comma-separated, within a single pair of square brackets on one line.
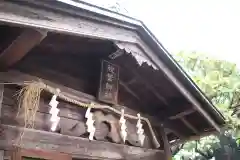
[(29, 99)]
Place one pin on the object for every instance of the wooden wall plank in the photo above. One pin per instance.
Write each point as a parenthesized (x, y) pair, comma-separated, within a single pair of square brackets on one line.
[(78, 147)]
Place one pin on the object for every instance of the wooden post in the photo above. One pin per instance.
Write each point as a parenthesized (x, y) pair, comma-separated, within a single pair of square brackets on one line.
[(1, 154), (167, 147), (1, 99)]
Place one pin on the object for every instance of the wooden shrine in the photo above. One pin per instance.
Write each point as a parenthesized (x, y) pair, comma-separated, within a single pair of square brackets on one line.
[(81, 82)]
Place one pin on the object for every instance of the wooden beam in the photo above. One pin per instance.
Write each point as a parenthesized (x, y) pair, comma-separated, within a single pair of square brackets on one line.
[(129, 90), (182, 114), (190, 126), (21, 46), (167, 147), (81, 24), (131, 81), (1, 98), (78, 147)]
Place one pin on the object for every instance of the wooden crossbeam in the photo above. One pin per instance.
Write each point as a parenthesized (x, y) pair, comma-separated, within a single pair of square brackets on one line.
[(182, 114), (189, 125), (131, 81), (80, 148), (20, 47), (129, 90)]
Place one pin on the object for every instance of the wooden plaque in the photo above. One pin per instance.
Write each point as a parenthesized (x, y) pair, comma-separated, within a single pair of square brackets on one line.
[(108, 88)]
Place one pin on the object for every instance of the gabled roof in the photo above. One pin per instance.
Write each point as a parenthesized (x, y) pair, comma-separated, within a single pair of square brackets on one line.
[(154, 43), (51, 15)]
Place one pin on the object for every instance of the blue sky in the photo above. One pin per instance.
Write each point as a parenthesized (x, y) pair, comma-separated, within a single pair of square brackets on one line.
[(209, 26)]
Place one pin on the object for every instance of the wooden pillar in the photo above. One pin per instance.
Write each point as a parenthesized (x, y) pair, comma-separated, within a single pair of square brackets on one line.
[(1, 154), (167, 147), (1, 99)]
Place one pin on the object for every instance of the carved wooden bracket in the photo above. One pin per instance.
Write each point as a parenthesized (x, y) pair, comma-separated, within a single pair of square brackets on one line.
[(72, 121)]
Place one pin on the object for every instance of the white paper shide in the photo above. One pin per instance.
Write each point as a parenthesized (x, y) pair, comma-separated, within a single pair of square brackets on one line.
[(140, 130), (54, 112), (90, 123), (123, 126)]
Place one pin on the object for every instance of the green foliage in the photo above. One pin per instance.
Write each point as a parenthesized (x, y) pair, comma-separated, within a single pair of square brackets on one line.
[(220, 81)]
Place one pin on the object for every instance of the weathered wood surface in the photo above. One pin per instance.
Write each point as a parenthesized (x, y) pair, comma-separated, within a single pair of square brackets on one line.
[(78, 147), (20, 47), (18, 77), (48, 19), (72, 121)]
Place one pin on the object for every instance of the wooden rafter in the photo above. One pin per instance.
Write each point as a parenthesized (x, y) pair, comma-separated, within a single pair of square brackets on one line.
[(145, 82), (129, 90), (20, 47), (189, 125), (131, 81), (182, 114)]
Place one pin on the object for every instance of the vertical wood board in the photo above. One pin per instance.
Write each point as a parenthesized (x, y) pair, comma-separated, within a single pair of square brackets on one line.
[(108, 88)]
